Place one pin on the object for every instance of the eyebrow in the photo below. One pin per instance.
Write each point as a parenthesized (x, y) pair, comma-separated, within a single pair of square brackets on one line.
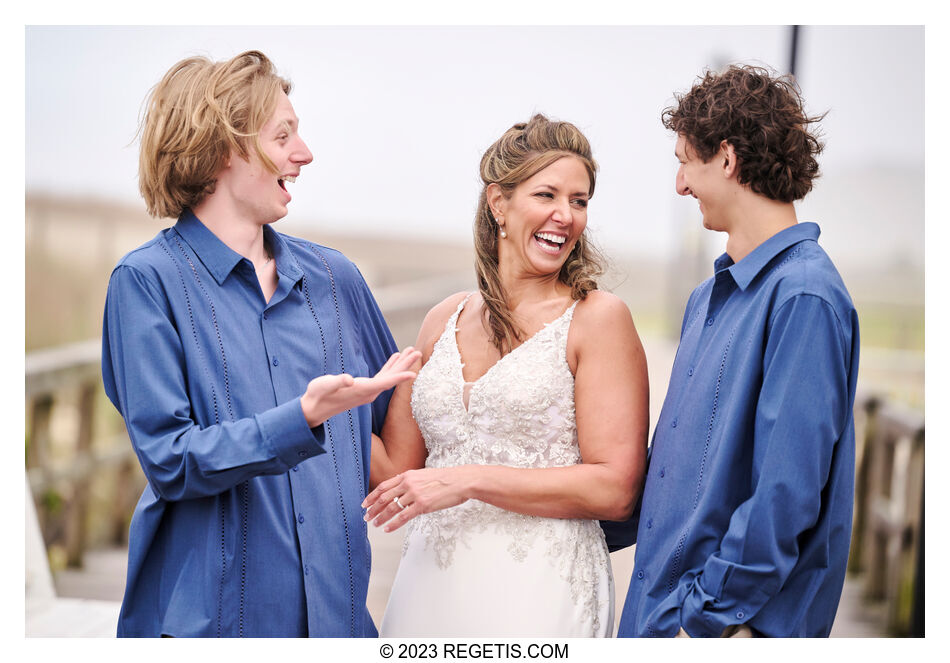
[(287, 124), (554, 188)]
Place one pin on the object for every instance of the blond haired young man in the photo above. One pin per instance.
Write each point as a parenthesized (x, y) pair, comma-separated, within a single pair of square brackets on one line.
[(240, 358)]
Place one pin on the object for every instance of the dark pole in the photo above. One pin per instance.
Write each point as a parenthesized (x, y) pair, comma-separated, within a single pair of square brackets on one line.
[(794, 50)]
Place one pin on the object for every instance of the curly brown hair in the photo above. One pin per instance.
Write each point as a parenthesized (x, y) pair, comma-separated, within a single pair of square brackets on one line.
[(762, 116), (523, 151)]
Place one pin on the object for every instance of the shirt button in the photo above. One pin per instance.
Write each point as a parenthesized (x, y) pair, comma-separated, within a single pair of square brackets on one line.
[(740, 615), (299, 517), (690, 372), (639, 575), (650, 523), (709, 322), (294, 468), (662, 472), (274, 361), (674, 423), (265, 315)]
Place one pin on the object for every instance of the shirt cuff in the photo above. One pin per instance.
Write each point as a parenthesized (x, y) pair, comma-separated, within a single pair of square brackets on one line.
[(285, 430)]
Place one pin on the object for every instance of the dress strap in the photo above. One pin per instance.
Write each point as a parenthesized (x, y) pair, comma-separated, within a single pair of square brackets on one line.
[(453, 319), (569, 313), (564, 325)]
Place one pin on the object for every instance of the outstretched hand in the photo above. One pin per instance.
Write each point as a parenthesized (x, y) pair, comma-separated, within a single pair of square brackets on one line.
[(398, 500), (328, 395)]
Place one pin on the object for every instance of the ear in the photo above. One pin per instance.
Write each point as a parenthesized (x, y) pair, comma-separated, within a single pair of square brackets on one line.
[(730, 163), (496, 200)]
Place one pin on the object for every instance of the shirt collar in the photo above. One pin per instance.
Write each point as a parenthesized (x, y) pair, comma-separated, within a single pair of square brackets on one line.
[(286, 262), (744, 271), (217, 257), (220, 259)]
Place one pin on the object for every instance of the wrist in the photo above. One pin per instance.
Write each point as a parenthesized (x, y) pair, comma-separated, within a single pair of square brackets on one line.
[(469, 486), (308, 404)]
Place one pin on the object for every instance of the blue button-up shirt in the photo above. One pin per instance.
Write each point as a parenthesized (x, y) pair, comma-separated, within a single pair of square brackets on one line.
[(746, 512), (250, 524)]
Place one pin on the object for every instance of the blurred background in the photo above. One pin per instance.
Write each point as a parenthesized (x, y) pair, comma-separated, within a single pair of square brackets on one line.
[(397, 118)]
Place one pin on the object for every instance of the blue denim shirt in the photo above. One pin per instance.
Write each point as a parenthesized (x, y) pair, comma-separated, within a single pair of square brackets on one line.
[(250, 524), (746, 512)]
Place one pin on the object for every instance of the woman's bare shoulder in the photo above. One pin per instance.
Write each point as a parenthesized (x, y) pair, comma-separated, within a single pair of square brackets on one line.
[(434, 322), (602, 308)]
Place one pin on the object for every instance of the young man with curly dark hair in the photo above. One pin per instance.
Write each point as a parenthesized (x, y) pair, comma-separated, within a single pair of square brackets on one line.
[(745, 522)]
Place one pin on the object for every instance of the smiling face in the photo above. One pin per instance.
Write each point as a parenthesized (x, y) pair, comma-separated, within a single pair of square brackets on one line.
[(254, 191), (704, 181), (543, 218)]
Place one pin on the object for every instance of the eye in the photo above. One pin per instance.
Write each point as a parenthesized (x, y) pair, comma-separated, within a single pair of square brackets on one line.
[(544, 194), (580, 202)]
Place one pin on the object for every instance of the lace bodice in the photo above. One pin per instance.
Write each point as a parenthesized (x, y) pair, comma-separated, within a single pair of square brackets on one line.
[(520, 413)]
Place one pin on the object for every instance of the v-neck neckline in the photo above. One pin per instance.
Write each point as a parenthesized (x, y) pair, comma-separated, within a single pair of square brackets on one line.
[(460, 363)]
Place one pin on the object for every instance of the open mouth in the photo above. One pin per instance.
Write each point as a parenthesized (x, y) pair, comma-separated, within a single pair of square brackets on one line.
[(550, 242), (286, 178)]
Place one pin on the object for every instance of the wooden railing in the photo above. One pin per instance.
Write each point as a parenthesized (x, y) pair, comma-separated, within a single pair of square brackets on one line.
[(887, 540), (60, 480)]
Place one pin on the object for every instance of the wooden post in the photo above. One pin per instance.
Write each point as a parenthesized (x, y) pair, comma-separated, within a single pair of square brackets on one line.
[(78, 506), (865, 415), (37, 450), (879, 493)]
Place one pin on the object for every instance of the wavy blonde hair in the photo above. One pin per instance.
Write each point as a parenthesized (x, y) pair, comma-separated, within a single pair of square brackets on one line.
[(195, 117), (523, 151)]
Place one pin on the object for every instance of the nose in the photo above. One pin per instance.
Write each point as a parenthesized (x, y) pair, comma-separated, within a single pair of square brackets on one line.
[(681, 187), (562, 211), (301, 154)]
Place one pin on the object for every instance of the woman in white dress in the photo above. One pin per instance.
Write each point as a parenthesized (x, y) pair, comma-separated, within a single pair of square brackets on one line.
[(527, 422)]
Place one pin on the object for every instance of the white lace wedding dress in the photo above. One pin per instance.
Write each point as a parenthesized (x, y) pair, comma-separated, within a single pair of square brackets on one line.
[(476, 570)]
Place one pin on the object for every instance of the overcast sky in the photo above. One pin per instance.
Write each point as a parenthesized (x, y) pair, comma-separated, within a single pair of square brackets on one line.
[(398, 117)]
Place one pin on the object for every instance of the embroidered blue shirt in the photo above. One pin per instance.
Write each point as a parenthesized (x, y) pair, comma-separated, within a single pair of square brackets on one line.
[(250, 524), (746, 511)]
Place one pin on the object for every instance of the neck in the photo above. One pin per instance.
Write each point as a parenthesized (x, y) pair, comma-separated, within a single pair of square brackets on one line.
[(756, 219), (520, 289), (238, 234)]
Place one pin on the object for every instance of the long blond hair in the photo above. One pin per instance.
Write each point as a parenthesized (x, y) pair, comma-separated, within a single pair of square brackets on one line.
[(195, 116), (522, 152)]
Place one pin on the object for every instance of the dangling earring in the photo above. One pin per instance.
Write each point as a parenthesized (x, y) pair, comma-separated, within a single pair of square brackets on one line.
[(503, 234)]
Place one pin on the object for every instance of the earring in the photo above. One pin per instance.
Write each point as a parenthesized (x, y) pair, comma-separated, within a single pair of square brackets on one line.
[(501, 226)]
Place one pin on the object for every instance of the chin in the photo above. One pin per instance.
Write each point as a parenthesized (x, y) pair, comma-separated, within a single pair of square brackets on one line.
[(278, 215), (709, 224)]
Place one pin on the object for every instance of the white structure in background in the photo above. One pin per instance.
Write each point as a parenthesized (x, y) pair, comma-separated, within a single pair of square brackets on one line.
[(48, 615)]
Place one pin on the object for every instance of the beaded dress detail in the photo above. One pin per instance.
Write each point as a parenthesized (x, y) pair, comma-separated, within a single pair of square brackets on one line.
[(478, 570)]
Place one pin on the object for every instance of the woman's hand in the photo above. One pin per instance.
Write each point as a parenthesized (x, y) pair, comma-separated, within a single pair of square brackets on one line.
[(396, 501), (328, 395)]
